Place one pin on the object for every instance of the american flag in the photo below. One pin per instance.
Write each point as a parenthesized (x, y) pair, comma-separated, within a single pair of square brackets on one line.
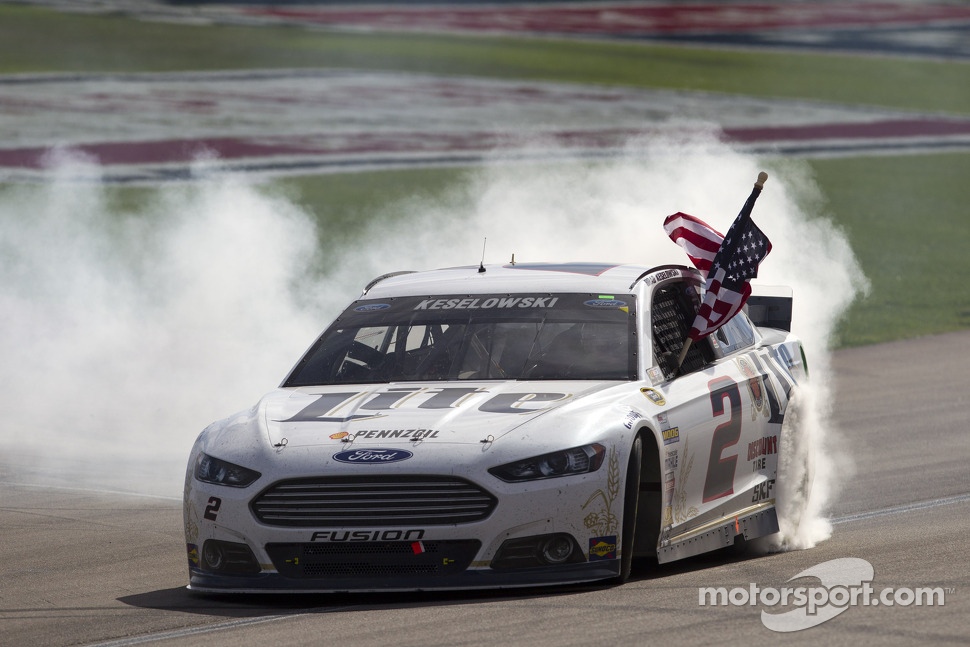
[(729, 261), (699, 240)]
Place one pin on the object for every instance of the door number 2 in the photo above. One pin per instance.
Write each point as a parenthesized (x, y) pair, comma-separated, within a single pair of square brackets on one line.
[(720, 468)]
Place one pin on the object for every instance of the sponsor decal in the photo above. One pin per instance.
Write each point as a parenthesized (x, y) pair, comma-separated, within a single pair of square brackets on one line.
[(670, 462), (372, 307), (669, 487), (671, 435), (655, 375), (607, 302), (339, 435), (762, 491), (471, 303), (193, 553), (763, 447), (332, 407), (521, 402), (755, 388), (602, 548), (413, 535), (372, 456), (665, 535), (410, 434), (654, 395), (631, 419)]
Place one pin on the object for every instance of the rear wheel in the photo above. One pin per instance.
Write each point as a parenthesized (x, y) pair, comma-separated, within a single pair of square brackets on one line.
[(631, 499)]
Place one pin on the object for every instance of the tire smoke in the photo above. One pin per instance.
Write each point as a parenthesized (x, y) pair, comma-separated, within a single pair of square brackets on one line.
[(127, 332)]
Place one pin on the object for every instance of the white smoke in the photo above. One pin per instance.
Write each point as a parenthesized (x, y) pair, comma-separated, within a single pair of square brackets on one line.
[(614, 211), (126, 333)]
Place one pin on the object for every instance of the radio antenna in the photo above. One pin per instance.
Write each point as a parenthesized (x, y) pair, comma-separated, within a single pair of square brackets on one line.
[(481, 266)]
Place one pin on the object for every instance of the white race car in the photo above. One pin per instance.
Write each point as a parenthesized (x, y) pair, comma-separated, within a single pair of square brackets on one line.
[(499, 426)]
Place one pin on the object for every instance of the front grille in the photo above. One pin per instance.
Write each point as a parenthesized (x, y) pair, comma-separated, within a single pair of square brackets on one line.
[(373, 559), (330, 502)]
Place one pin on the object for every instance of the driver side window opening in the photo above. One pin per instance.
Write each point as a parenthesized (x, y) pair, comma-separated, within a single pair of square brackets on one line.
[(674, 308)]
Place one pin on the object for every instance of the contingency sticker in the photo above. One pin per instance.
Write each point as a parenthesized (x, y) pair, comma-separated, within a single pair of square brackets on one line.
[(602, 548)]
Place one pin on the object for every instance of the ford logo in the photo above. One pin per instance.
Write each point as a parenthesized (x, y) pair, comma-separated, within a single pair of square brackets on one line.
[(372, 456), (605, 303), (372, 307)]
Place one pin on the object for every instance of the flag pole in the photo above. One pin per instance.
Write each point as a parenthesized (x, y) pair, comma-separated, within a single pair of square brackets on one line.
[(745, 211)]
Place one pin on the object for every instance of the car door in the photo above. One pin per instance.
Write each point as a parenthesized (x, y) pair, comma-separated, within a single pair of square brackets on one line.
[(712, 416)]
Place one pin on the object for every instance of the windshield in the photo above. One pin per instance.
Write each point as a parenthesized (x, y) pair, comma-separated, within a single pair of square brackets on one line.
[(482, 337)]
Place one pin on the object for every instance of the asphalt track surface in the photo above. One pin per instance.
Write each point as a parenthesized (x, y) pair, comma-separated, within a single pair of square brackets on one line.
[(81, 567), (93, 568)]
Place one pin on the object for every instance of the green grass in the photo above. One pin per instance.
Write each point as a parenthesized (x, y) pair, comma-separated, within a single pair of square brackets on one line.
[(905, 216)]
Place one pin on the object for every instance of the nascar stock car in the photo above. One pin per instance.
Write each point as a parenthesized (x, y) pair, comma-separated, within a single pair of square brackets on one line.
[(497, 426)]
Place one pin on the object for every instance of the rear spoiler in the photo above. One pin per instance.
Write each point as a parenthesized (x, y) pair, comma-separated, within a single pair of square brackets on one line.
[(769, 306)]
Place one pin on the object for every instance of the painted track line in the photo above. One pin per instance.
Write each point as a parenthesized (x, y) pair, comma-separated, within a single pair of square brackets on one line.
[(176, 634), (140, 495), (902, 509)]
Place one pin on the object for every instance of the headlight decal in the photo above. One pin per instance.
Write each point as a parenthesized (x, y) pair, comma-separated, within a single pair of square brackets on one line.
[(210, 469), (567, 462)]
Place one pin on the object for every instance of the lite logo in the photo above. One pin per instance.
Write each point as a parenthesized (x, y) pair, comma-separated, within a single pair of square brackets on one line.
[(335, 407)]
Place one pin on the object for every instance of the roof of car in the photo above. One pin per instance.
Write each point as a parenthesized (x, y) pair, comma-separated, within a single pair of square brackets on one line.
[(520, 277)]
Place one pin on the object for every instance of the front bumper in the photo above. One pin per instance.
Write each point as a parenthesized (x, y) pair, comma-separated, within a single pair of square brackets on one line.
[(296, 534), (203, 582), (540, 537)]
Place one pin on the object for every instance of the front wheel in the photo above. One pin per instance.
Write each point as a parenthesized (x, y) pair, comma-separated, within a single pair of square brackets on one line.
[(631, 500)]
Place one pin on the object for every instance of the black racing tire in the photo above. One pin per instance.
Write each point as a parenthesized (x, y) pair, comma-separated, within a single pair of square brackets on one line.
[(631, 500)]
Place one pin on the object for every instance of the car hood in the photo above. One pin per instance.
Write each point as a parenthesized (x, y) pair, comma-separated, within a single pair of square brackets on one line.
[(445, 412)]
